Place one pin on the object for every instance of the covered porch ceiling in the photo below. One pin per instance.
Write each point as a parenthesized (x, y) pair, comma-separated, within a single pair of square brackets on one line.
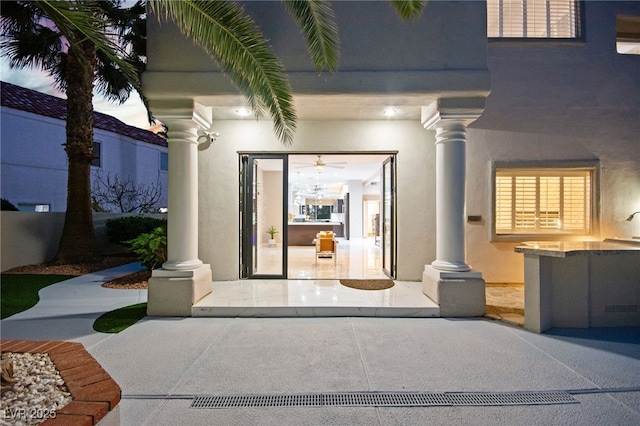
[(322, 107)]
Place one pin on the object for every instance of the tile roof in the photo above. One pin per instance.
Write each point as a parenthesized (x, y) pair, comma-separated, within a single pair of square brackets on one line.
[(24, 99)]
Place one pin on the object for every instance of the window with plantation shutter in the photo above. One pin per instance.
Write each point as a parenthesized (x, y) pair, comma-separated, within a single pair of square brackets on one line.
[(533, 19), (543, 201)]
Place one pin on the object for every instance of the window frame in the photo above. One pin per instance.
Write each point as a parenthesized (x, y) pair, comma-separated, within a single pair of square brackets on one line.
[(162, 153), (627, 22), (590, 165), (21, 207), (97, 161), (579, 38)]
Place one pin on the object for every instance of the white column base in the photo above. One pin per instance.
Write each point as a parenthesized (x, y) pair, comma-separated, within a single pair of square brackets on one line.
[(173, 293), (445, 266), (182, 265), (459, 294)]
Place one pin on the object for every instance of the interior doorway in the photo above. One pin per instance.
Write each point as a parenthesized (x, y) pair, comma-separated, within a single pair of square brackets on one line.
[(349, 196)]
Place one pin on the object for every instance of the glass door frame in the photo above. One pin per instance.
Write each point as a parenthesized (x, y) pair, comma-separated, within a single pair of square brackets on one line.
[(248, 200), (247, 232), (388, 217)]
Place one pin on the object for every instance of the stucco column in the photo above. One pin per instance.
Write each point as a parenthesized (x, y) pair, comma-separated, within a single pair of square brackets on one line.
[(450, 195), (182, 227), (449, 280), (183, 279)]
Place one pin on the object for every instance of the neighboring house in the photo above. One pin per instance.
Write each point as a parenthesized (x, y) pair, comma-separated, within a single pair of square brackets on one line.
[(34, 163), (539, 100)]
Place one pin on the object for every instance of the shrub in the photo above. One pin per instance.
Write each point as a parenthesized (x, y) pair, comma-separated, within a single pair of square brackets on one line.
[(125, 229), (7, 206), (151, 247)]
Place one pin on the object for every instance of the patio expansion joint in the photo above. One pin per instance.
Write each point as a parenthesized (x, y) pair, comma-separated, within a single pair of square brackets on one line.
[(93, 390)]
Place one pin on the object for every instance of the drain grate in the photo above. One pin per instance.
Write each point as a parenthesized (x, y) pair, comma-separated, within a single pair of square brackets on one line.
[(384, 399)]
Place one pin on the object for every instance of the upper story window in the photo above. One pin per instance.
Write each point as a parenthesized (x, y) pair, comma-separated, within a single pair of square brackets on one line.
[(164, 161), (97, 154), (543, 202), (628, 35), (539, 19)]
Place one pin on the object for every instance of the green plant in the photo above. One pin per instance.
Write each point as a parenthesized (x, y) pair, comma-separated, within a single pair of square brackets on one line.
[(7, 206), (272, 231), (118, 320), (151, 247), (124, 229)]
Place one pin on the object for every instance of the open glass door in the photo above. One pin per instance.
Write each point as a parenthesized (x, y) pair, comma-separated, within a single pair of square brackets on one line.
[(263, 219), (388, 217)]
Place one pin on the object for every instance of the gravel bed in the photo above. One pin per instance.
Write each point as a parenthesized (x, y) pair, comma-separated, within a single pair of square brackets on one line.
[(38, 394)]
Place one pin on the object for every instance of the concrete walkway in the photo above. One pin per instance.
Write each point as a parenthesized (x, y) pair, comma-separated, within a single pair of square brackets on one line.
[(67, 310), (162, 363)]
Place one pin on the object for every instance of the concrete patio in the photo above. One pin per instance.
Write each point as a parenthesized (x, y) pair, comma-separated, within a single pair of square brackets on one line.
[(161, 364)]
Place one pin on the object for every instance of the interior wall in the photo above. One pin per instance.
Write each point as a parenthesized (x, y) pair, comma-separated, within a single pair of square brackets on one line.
[(356, 209), (371, 208), (219, 170), (271, 204)]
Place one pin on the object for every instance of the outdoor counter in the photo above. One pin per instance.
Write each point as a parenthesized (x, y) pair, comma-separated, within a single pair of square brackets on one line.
[(303, 233), (580, 284)]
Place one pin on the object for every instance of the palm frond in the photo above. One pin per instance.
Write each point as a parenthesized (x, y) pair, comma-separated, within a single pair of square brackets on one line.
[(317, 22), (25, 41), (40, 47), (235, 42), (84, 18), (408, 9)]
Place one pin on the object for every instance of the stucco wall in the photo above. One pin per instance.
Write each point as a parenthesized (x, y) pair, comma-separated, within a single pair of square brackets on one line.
[(219, 195), (559, 102), (31, 238), (444, 51), (32, 155), (34, 163)]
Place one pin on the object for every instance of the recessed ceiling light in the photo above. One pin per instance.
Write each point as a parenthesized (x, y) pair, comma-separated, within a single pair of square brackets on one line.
[(390, 111), (243, 112)]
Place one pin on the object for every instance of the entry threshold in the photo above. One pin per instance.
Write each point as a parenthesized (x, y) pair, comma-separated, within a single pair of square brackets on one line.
[(313, 298)]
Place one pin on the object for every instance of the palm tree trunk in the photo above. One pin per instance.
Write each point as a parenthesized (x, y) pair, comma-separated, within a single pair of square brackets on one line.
[(78, 243)]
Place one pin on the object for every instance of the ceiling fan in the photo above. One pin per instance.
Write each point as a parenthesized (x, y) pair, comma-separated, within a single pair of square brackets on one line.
[(319, 164)]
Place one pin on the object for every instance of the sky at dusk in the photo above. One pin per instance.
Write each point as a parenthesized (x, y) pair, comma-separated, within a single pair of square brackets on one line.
[(131, 112)]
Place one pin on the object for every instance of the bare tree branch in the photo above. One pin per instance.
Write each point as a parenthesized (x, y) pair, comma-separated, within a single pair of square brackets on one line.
[(123, 196)]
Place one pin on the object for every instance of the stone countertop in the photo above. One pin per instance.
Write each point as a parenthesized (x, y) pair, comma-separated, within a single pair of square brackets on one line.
[(577, 248)]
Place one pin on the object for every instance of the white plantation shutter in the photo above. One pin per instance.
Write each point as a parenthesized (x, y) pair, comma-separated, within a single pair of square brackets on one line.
[(525, 202), (577, 200), (504, 203), (542, 201), (549, 206), (532, 18)]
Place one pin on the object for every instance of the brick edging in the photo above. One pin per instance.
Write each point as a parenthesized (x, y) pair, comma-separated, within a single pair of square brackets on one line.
[(93, 390)]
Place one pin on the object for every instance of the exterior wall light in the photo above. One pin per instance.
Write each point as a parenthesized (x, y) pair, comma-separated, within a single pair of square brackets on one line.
[(630, 218)]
